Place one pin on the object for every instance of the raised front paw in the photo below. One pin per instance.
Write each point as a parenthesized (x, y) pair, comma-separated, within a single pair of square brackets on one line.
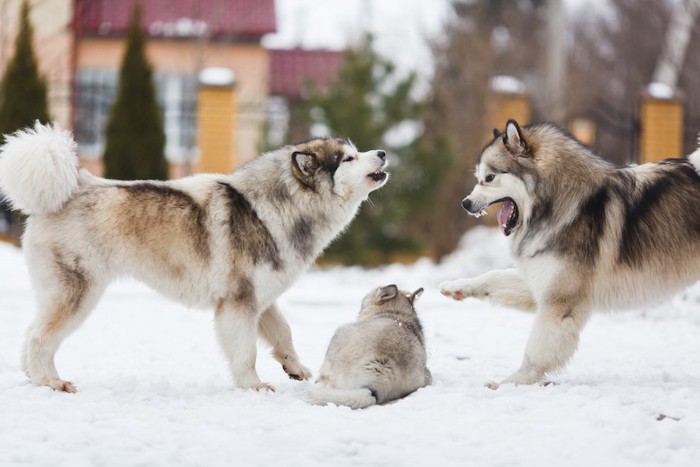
[(451, 289), (459, 289)]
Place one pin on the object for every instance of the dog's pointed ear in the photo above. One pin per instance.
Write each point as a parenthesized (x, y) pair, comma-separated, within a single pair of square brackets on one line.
[(387, 293), (412, 297), (514, 140), (305, 163), (496, 133)]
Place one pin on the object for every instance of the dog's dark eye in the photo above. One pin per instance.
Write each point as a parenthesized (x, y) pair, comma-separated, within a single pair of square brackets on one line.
[(349, 159), (489, 178)]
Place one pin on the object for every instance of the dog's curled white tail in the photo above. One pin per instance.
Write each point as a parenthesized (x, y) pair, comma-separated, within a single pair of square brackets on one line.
[(38, 168), (694, 158), (353, 398)]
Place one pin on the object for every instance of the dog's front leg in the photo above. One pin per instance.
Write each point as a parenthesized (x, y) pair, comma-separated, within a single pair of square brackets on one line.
[(504, 287), (552, 342), (275, 330), (236, 328)]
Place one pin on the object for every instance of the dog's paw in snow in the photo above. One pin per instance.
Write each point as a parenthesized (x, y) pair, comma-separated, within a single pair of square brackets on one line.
[(297, 371)]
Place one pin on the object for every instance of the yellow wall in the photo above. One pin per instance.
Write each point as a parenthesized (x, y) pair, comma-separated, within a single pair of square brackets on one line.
[(662, 129)]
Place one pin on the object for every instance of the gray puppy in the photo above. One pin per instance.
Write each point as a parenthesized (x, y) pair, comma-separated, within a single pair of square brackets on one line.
[(377, 359)]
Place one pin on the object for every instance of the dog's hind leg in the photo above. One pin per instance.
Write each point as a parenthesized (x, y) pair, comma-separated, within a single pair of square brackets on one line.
[(236, 327), (275, 330), (504, 287), (552, 342), (63, 306)]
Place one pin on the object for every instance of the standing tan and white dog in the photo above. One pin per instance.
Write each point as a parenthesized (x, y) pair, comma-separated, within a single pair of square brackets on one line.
[(585, 235), (230, 242), (377, 359)]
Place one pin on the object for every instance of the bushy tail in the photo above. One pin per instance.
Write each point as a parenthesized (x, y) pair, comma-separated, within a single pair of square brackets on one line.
[(353, 398), (38, 168), (694, 158)]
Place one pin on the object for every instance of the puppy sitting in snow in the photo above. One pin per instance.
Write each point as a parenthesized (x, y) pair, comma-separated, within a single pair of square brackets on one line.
[(379, 358)]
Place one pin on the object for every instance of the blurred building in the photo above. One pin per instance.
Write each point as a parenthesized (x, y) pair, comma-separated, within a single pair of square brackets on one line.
[(209, 125), (80, 44), (292, 73)]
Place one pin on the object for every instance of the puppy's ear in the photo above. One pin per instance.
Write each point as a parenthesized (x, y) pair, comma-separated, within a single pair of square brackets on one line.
[(514, 140), (412, 297), (387, 293), (496, 133)]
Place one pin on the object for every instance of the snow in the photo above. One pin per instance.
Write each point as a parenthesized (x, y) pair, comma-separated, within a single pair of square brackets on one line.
[(660, 90), (154, 389), (217, 76), (507, 85)]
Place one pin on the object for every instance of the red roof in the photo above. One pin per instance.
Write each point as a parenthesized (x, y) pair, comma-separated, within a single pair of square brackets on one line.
[(291, 69), (220, 19)]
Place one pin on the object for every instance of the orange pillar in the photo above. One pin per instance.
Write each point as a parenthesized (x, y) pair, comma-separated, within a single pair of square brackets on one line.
[(216, 121), (661, 129)]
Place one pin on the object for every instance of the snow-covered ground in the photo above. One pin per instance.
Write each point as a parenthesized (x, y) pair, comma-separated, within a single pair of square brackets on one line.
[(154, 390)]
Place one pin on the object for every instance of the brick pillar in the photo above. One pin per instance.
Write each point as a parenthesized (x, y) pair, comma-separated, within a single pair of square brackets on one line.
[(216, 121), (661, 129)]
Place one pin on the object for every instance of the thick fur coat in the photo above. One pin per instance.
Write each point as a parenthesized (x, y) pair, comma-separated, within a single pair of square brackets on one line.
[(377, 359), (585, 235), (232, 243)]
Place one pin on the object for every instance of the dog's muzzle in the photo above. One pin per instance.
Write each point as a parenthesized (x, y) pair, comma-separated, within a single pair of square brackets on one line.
[(470, 207)]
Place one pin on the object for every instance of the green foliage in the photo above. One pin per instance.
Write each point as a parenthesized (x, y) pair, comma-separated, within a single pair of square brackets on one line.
[(135, 146), (23, 98), (365, 103)]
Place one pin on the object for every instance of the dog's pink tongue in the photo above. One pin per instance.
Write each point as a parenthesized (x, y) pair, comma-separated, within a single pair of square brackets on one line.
[(504, 213)]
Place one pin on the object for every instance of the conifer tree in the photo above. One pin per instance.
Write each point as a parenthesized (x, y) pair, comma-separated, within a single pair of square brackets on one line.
[(366, 103), (135, 147), (23, 98)]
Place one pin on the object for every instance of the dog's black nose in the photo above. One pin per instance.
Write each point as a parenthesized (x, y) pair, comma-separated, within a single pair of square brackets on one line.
[(381, 154), (466, 203)]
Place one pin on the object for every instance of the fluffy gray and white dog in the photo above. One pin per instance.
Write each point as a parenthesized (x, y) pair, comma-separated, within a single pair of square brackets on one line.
[(585, 235), (377, 359), (231, 242)]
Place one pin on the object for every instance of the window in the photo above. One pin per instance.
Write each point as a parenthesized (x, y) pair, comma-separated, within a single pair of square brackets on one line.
[(177, 98)]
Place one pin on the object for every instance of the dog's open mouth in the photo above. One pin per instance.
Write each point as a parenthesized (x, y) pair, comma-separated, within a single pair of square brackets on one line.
[(378, 176), (507, 215)]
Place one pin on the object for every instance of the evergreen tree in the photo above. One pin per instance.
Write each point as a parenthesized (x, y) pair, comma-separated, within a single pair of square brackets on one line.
[(23, 98), (135, 146), (366, 103)]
